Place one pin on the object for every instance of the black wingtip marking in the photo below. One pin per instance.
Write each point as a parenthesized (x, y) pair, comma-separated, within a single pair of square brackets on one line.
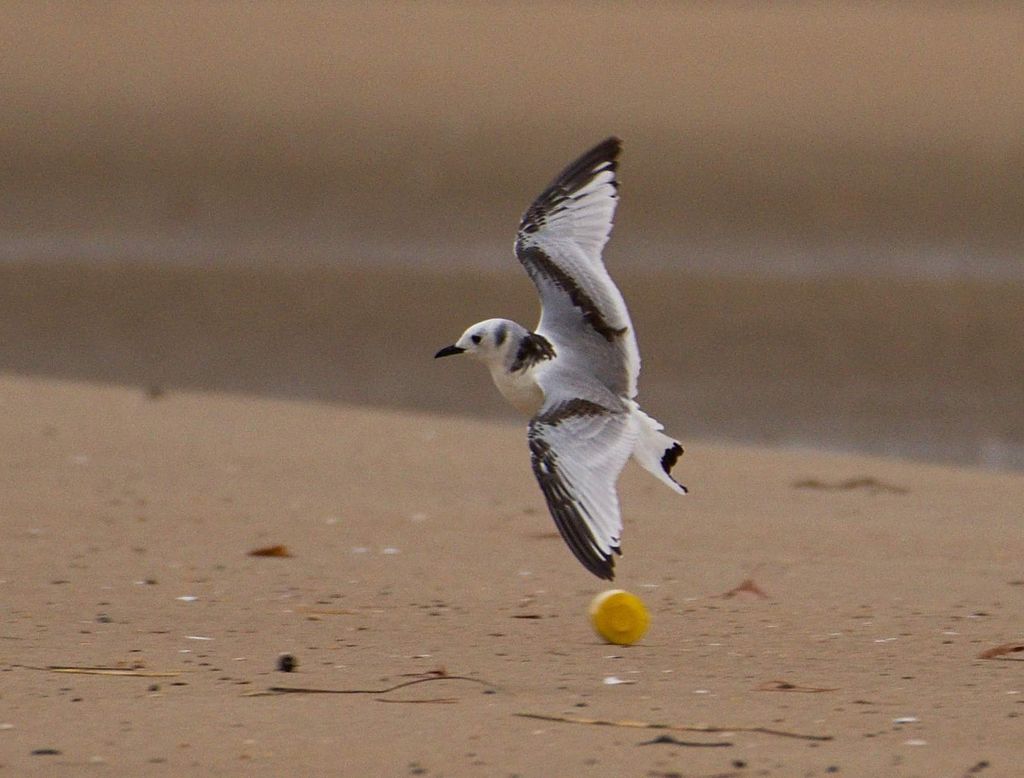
[(580, 170), (577, 173), (668, 461), (602, 567), (670, 457)]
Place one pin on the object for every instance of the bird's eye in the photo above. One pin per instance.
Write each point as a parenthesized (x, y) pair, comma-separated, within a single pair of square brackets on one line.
[(475, 338)]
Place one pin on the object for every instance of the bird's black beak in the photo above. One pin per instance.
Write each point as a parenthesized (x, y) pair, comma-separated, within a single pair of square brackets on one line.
[(447, 351)]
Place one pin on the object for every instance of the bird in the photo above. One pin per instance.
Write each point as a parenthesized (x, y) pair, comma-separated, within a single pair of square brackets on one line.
[(575, 375)]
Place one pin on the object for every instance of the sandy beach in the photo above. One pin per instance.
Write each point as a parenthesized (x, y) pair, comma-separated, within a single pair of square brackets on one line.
[(420, 548)]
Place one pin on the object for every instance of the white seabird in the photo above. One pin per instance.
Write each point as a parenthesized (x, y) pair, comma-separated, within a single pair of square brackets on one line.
[(576, 374)]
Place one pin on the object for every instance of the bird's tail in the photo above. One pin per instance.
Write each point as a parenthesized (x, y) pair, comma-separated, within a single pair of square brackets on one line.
[(655, 451)]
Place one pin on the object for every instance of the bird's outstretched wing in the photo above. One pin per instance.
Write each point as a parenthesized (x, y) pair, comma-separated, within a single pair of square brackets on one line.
[(559, 243), (578, 448)]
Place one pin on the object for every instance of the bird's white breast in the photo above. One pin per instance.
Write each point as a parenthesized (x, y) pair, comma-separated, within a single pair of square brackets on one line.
[(520, 389)]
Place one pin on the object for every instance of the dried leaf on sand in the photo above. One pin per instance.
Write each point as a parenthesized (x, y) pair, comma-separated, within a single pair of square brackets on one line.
[(786, 686), (1002, 650), (274, 551), (747, 586)]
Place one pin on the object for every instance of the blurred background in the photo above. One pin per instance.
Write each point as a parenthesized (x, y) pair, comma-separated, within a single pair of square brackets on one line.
[(820, 235)]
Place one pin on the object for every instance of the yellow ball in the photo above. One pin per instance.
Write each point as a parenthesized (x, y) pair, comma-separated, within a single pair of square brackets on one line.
[(619, 617)]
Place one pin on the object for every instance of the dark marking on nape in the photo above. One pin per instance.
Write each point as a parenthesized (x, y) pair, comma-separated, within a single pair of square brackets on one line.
[(539, 265), (533, 348), (574, 177), (562, 506), (500, 334), (569, 409)]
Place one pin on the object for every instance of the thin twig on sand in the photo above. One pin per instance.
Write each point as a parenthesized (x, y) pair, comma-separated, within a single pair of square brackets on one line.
[(672, 727), (277, 690), (107, 671), (672, 741)]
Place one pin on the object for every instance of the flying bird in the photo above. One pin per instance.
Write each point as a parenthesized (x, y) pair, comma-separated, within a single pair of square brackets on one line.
[(576, 374)]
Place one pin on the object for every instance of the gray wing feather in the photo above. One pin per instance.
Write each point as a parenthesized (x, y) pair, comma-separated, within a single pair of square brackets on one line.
[(578, 448), (559, 244)]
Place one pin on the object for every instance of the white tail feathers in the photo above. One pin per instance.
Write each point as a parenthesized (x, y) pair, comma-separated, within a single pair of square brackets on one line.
[(655, 451)]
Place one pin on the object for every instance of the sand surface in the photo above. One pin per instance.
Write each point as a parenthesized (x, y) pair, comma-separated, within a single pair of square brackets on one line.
[(420, 545)]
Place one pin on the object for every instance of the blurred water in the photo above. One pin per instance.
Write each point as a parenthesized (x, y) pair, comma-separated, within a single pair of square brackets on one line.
[(634, 253), (929, 370)]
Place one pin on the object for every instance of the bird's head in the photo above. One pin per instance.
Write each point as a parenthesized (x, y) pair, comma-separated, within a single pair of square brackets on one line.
[(488, 341)]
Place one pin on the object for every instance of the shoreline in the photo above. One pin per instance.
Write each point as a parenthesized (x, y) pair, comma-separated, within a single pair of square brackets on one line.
[(916, 369)]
